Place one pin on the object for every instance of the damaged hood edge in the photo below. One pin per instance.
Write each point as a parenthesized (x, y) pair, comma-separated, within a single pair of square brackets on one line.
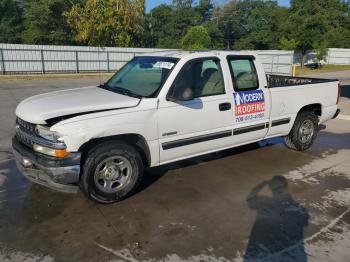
[(65, 104)]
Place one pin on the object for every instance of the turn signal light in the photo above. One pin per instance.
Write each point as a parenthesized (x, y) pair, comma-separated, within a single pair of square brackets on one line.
[(61, 153)]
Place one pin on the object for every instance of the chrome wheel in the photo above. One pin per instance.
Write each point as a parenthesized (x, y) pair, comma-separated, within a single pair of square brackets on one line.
[(306, 131), (113, 174)]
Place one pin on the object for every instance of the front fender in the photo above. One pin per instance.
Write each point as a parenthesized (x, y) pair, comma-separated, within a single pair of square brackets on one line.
[(141, 122)]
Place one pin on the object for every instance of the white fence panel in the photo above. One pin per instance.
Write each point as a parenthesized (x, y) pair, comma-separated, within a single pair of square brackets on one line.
[(41, 59), (338, 56), (277, 62), (335, 56)]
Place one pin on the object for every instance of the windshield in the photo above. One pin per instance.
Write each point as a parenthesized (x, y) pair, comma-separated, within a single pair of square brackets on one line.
[(142, 77)]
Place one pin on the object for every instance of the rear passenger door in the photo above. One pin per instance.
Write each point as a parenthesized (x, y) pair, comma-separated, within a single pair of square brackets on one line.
[(251, 106)]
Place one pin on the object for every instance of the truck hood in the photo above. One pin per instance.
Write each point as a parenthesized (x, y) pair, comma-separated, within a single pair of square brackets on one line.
[(39, 108)]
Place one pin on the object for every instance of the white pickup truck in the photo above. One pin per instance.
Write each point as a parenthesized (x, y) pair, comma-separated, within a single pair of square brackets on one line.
[(160, 108)]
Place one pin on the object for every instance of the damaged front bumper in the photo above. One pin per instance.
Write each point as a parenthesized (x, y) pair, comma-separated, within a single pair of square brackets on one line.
[(57, 174)]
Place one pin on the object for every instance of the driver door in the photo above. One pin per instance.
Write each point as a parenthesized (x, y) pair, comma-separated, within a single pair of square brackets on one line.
[(201, 125)]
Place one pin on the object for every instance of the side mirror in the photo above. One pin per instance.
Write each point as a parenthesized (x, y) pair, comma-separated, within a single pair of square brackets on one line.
[(186, 94)]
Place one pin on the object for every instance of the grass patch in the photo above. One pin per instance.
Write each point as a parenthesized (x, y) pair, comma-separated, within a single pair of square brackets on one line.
[(324, 69)]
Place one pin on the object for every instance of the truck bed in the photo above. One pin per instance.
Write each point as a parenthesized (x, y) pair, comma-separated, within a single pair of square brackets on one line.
[(284, 81)]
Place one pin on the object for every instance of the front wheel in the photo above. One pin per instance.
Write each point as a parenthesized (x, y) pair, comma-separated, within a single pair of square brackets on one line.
[(111, 172), (303, 133)]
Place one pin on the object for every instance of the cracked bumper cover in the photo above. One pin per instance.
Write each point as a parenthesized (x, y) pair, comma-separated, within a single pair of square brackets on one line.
[(57, 174)]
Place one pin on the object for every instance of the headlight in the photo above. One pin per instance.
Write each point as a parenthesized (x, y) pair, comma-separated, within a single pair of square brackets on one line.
[(51, 152), (45, 132), (52, 136)]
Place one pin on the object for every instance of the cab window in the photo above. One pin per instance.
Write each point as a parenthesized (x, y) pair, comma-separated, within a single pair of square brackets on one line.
[(204, 77), (244, 75)]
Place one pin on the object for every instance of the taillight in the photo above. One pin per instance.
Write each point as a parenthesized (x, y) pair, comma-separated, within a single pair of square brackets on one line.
[(338, 93)]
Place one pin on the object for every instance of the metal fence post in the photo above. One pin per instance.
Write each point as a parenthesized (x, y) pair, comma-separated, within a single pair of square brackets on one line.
[(108, 69), (272, 63), (3, 69), (293, 67), (42, 61), (76, 62)]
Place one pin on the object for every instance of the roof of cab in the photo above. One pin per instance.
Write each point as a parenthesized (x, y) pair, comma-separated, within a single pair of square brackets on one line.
[(181, 54)]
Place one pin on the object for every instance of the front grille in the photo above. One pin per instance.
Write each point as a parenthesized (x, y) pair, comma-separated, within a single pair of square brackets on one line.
[(26, 128), (26, 134)]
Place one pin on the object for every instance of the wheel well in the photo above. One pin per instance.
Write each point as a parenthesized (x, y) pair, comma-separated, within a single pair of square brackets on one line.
[(315, 108), (138, 141)]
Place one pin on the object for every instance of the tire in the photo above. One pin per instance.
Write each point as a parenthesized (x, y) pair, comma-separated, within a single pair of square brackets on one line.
[(111, 172), (304, 132)]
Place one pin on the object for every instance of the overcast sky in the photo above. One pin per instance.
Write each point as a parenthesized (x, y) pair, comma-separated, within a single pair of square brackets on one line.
[(153, 3)]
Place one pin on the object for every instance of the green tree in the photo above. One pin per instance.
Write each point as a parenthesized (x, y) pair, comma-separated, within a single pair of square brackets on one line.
[(227, 20), (205, 9), (161, 26), (171, 24), (196, 38), (312, 22), (166, 24), (45, 24), (11, 21), (182, 20), (251, 24), (216, 35), (107, 23), (288, 44), (321, 51)]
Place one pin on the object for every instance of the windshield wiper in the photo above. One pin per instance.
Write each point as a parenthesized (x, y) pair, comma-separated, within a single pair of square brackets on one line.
[(125, 92), (119, 90)]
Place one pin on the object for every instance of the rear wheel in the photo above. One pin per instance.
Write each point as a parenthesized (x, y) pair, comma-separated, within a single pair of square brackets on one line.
[(303, 133), (111, 172)]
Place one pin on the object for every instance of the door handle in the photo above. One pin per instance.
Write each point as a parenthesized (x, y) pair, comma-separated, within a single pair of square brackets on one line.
[(225, 106)]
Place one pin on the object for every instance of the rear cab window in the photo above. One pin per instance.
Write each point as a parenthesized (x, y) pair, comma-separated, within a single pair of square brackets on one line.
[(249, 99), (243, 73)]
